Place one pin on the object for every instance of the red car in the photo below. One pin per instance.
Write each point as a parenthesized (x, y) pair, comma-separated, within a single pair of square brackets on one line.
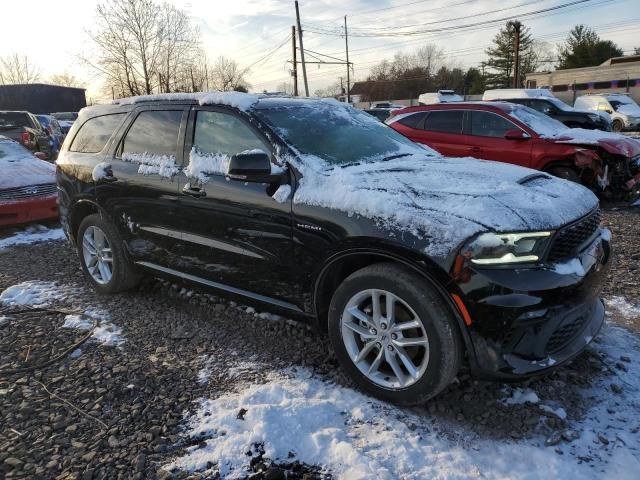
[(27, 186), (512, 133)]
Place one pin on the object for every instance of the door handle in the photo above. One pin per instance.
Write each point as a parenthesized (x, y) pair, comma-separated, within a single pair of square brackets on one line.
[(193, 191)]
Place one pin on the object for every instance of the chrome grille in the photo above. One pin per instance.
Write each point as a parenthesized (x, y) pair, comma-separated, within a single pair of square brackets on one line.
[(30, 191), (568, 240)]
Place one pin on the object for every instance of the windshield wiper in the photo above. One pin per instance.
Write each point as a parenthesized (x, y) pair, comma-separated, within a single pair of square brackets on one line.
[(397, 156)]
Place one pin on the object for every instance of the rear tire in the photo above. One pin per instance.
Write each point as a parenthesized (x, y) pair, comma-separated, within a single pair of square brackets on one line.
[(103, 256), (617, 126), (406, 357), (566, 173)]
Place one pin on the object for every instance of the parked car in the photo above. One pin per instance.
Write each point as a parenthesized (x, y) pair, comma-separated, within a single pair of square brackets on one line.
[(544, 101), (624, 111), (24, 127), (380, 113), (441, 96), (605, 162), (412, 263), (65, 119), (386, 105), (52, 127), (27, 186)]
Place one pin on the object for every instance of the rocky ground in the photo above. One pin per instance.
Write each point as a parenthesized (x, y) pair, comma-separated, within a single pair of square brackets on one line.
[(76, 406)]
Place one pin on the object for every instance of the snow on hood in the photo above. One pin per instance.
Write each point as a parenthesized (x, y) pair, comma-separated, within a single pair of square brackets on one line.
[(629, 109), (611, 142), (242, 101), (447, 199), (20, 168)]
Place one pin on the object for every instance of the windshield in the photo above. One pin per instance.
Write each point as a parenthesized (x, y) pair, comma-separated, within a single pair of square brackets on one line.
[(337, 134), (540, 123), (13, 120), (620, 102)]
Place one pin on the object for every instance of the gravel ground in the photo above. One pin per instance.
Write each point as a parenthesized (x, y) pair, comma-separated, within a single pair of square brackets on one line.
[(108, 411)]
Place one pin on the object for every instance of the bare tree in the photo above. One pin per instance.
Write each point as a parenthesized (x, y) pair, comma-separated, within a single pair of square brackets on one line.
[(18, 69), (226, 75), (66, 79), (332, 90), (285, 87)]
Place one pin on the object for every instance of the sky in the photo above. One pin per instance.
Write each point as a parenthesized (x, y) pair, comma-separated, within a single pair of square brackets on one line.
[(257, 33)]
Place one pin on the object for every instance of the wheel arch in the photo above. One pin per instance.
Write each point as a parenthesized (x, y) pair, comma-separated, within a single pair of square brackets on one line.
[(340, 265), (78, 212)]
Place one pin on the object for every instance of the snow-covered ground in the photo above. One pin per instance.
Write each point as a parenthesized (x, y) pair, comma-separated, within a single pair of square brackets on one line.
[(31, 234), (297, 415)]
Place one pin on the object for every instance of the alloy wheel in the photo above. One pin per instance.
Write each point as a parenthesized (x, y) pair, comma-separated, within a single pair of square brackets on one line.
[(385, 338), (97, 254)]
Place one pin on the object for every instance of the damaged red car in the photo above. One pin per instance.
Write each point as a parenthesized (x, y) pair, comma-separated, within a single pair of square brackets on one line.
[(607, 163), (28, 189)]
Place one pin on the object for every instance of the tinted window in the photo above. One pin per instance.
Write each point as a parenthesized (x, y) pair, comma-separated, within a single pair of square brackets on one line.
[(154, 132), (221, 133), (485, 124), (95, 133), (413, 121), (449, 121), (14, 119)]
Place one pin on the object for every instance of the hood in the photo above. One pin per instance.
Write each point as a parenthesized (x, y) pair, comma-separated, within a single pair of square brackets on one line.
[(19, 168), (629, 110), (611, 142), (448, 200)]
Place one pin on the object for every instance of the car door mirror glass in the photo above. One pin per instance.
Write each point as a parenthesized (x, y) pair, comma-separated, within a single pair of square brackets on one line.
[(515, 134)]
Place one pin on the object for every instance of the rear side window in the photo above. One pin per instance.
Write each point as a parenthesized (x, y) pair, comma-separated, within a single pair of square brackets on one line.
[(222, 133), (486, 124), (447, 121), (154, 132), (413, 121), (95, 133)]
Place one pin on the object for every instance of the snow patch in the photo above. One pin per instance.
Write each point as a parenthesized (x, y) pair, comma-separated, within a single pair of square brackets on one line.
[(151, 164), (100, 171), (622, 305), (570, 267), (35, 293), (79, 322), (32, 234), (558, 412), (201, 164), (520, 396), (242, 101), (282, 194), (105, 333)]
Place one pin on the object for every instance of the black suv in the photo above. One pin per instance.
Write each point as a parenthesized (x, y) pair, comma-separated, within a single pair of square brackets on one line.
[(564, 113), (412, 263)]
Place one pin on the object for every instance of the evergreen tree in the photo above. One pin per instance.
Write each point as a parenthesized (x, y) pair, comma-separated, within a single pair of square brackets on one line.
[(501, 57), (584, 48)]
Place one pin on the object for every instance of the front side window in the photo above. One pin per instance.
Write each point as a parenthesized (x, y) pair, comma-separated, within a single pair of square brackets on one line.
[(486, 124), (446, 121), (95, 133), (219, 133), (154, 132)]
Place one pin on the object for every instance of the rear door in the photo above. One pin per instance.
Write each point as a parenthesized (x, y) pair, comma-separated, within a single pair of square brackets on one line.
[(142, 194), (486, 138), (236, 234), (442, 130)]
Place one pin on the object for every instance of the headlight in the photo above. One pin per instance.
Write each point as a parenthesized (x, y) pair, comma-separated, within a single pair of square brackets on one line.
[(507, 248)]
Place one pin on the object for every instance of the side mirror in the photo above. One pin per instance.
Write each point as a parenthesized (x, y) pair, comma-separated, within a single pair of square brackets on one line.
[(515, 134), (251, 166)]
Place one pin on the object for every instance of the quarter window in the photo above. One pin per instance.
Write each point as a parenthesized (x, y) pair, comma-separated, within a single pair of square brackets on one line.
[(154, 132), (95, 133), (448, 121), (223, 134), (485, 124)]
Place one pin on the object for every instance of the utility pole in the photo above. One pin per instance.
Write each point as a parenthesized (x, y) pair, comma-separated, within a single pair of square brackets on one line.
[(346, 44), (517, 28), (294, 74), (304, 67)]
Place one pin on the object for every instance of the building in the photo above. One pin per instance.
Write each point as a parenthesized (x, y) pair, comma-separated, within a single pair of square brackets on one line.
[(616, 75), (41, 98)]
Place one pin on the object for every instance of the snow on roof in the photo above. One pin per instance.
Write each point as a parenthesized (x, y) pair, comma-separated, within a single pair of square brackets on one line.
[(506, 93), (242, 101), (441, 96)]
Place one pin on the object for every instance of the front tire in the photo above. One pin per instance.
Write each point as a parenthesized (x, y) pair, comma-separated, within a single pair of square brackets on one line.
[(394, 334), (103, 257), (617, 126)]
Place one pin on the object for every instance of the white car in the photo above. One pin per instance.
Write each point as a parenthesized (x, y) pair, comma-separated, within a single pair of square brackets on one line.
[(441, 96), (624, 111)]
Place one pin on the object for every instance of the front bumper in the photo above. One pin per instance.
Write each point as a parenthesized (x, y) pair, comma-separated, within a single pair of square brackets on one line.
[(526, 321), (28, 210)]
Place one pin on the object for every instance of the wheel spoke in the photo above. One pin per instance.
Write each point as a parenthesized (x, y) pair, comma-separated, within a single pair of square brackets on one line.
[(88, 245), (359, 329), (364, 352), (105, 273), (375, 305), (391, 307), (411, 342), (395, 366), (360, 315), (407, 325), (407, 362), (98, 238), (373, 368)]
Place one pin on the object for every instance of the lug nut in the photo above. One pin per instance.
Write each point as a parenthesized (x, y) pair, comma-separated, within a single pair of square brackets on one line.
[(390, 348), (373, 331), (378, 344), (383, 326), (394, 336)]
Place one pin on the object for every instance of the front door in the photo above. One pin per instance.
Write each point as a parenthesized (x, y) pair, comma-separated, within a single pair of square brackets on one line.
[(237, 235), (142, 195)]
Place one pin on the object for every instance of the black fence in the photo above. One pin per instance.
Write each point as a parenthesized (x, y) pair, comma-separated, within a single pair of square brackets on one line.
[(40, 98)]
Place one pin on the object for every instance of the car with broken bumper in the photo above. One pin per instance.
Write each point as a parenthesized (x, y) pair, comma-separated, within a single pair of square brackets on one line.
[(413, 264)]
